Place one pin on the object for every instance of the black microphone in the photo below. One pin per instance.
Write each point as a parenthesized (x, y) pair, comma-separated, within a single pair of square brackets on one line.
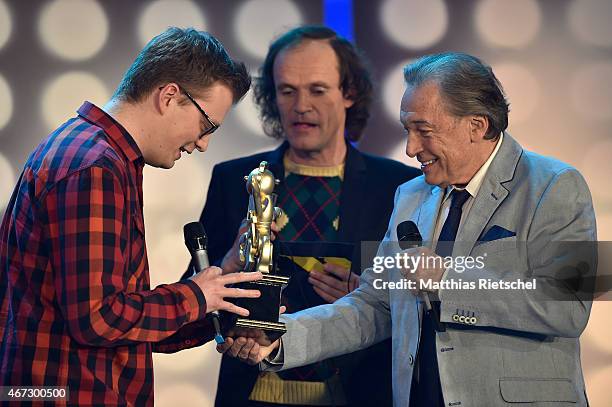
[(196, 242), (408, 237)]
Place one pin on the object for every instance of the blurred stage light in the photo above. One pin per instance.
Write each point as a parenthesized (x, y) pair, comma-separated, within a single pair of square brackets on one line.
[(598, 382), (63, 95), (522, 90), (338, 14), (161, 14), (393, 90), (258, 22), (74, 30), (6, 101), (604, 231), (183, 394), (414, 24), (168, 256), (600, 317), (512, 24), (248, 115), (399, 153), (6, 24), (190, 359), (589, 20), (597, 167), (162, 186), (591, 91)]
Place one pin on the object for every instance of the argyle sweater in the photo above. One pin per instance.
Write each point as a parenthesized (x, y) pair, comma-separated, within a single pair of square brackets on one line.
[(310, 199)]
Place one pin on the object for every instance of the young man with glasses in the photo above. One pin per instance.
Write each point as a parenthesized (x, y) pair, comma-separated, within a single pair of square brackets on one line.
[(77, 310)]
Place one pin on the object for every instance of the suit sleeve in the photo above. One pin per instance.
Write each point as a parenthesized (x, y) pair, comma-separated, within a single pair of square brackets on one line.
[(355, 321), (560, 255), (90, 258)]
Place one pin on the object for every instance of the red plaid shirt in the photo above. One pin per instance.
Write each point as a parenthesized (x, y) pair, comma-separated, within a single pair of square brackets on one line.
[(76, 307)]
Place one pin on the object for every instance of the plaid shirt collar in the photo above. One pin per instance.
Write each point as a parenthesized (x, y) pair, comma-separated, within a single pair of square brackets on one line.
[(115, 131)]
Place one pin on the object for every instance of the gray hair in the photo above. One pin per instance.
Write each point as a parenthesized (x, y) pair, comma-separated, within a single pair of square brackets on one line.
[(467, 86)]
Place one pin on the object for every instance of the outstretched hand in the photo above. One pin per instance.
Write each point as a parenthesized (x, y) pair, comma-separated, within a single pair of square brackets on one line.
[(249, 345), (213, 285), (334, 282), (251, 350)]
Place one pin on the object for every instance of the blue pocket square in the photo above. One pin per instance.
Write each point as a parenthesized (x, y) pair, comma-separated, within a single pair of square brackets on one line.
[(495, 233)]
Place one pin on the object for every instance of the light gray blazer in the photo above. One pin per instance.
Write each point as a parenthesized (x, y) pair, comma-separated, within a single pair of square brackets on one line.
[(514, 347)]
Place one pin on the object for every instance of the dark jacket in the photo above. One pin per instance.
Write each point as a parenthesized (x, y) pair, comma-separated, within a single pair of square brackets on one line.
[(366, 203)]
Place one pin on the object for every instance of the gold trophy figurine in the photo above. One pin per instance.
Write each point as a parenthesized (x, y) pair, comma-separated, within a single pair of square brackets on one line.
[(256, 244), (256, 253)]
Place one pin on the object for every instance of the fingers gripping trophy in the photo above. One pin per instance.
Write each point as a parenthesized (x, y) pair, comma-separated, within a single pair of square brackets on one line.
[(257, 254)]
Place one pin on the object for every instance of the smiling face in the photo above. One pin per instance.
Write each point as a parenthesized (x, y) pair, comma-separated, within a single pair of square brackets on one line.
[(450, 149), (181, 123), (311, 104)]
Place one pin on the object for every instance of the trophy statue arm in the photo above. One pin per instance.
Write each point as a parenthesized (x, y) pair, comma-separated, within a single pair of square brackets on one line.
[(256, 194)]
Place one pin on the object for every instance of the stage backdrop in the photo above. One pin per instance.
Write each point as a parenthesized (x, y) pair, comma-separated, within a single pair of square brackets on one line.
[(553, 57)]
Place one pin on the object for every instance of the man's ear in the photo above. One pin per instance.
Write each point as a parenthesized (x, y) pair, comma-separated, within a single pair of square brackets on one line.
[(479, 125), (349, 97), (166, 95)]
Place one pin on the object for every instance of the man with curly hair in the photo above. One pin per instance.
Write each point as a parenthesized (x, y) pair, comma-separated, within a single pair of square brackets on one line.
[(314, 92)]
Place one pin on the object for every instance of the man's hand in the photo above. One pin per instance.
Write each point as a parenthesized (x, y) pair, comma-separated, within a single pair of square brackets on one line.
[(421, 272), (231, 261), (213, 285), (249, 347), (335, 282)]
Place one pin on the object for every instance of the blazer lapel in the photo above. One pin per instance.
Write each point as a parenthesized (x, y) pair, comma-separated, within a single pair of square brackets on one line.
[(490, 196), (428, 213), (352, 195), (275, 161)]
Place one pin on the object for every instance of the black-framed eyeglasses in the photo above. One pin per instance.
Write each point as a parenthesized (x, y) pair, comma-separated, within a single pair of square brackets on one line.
[(212, 125)]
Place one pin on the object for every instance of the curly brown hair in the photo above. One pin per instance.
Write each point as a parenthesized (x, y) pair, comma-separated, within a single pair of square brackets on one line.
[(355, 80)]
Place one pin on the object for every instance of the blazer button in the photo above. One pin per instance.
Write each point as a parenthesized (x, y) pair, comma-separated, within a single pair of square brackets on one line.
[(410, 359), (455, 317), (462, 319), (473, 320)]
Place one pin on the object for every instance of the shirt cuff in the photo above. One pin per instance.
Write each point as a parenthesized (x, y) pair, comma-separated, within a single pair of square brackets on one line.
[(435, 296), (275, 363), (194, 301)]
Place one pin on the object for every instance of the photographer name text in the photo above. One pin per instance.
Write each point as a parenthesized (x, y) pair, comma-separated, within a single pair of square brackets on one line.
[(455, 284)]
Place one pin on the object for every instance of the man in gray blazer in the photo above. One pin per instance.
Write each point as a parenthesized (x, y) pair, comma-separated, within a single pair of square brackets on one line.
[(457, 342)]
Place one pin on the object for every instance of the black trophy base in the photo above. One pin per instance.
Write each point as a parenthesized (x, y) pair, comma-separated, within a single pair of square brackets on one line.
[(263, 311)]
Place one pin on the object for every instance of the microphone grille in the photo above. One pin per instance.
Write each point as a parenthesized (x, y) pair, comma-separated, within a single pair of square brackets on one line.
[(408, 234), (195, 236)]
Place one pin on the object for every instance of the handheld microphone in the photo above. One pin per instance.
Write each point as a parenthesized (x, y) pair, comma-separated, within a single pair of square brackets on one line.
[(196, 242), (409, 237)]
